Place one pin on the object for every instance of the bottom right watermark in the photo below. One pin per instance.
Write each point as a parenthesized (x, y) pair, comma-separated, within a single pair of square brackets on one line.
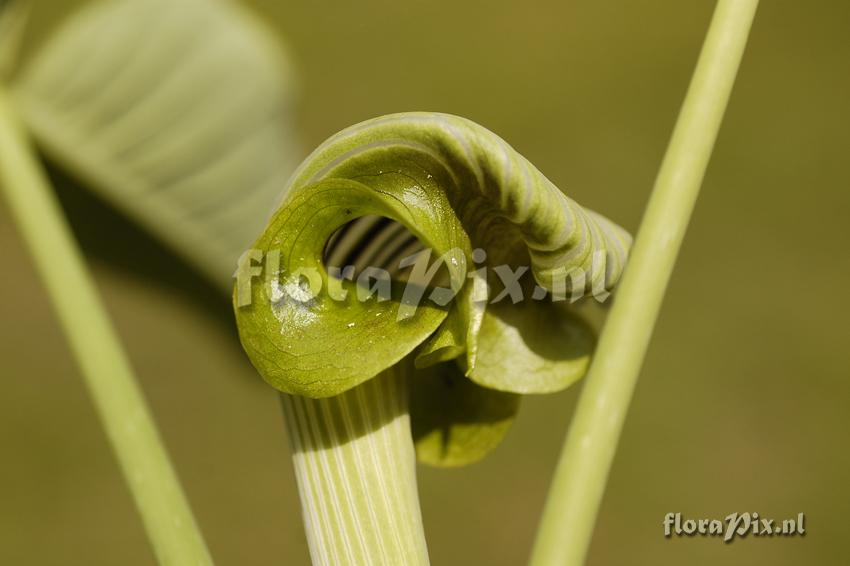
[(734, 525)]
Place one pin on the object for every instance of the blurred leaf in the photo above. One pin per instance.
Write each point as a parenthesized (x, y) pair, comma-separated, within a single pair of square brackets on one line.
[(14, 15), (176, 111)]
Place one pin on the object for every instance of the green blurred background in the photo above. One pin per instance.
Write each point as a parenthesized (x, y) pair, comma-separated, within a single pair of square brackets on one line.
[(742, 404)]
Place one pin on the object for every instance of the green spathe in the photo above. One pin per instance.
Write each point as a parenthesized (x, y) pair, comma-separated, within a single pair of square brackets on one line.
[(458, 187)]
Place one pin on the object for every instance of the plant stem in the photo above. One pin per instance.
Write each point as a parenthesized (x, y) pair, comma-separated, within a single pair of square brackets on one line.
[(579, 483), (355, 466), (128, 423)]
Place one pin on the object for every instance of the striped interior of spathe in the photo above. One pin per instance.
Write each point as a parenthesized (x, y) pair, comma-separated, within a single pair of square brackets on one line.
[(374, 242)]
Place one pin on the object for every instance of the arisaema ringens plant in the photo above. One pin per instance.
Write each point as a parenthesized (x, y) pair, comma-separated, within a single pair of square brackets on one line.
[(177, 113), (371, 375), (370, 380), (375, 360)]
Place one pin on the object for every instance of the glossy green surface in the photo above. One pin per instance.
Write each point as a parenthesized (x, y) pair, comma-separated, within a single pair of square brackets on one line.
[(458, 187)]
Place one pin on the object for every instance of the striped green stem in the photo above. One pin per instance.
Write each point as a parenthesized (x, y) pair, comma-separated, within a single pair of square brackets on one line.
[(354, 462), (579, 483), (128, 423)]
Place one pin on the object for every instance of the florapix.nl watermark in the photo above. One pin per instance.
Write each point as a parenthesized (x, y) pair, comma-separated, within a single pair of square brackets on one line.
[(304, 284), (734, 525)]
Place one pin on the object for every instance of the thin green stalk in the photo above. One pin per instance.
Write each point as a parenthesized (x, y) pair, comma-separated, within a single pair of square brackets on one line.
[(159, 498), (582, 472)]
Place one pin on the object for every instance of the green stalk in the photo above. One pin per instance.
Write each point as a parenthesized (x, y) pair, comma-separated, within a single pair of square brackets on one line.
[(355, 465), (579, 483), (159, 498)]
